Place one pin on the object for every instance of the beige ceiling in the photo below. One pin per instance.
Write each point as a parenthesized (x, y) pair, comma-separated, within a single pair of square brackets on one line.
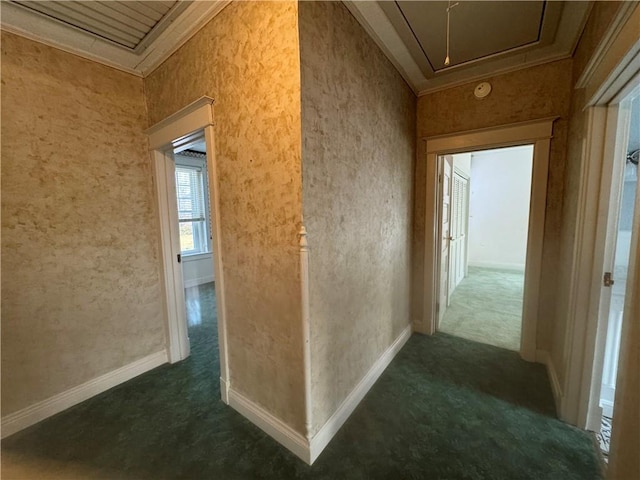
[(486, 37), (477, 29)]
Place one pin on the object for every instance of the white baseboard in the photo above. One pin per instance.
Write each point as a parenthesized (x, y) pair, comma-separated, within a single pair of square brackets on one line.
[(543, 357), (272, 426), (224, 390), (516, 267), (331, 427), (26, 417), (296, 442), (194, 282)]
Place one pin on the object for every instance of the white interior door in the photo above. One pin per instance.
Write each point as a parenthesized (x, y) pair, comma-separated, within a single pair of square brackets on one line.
[(445, 233), (177, 333), (459, 224)]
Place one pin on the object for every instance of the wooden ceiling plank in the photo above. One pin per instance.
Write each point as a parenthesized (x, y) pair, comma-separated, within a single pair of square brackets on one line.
[(135, 8), (160, 6), (117, 19), (96, 12), (67, 15)]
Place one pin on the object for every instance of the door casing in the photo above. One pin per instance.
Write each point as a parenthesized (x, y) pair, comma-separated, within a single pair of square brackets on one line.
[(584, 339), (170, 133), (537, 133)]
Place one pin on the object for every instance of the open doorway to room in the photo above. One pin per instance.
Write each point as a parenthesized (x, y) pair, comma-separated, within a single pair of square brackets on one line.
[(187, 188), (536, 133), (484, 208), (622, 225)]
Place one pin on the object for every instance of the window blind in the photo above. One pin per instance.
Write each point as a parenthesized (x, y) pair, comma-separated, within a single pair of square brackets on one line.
[(190, 194)]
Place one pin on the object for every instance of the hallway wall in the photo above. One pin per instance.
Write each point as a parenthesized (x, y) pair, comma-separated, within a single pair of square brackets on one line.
[(358, 120), (532, 93), (247, 59), (81, 292)]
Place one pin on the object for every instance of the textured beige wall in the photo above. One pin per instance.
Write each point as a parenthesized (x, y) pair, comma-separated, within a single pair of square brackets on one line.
[(528, 94), (247, 59), (358, 118), (80, 283)]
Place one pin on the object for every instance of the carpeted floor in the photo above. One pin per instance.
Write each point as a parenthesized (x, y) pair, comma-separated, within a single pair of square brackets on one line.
[(487, 307), (446, 408)]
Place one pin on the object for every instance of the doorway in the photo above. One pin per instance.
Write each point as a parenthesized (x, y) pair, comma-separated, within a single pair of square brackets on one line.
[(196, 252), (621, 228), (190, 129), (485, 219), (537, 133)]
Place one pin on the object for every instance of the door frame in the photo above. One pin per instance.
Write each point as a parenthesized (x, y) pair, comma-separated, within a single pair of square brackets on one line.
[(613, 65), (583, 339), (537, 133), (180, 127)]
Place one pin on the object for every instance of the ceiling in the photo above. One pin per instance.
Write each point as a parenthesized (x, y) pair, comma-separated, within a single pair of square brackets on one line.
[(134, 36), (132, 25), (486, 37)]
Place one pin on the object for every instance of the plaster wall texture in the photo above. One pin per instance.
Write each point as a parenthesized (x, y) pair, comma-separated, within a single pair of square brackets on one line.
[(247, 59), (81, 292), (499, 207), (358, 119), (537, 92)]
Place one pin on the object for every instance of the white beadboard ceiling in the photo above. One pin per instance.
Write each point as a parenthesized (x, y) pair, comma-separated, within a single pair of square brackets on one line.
[(131, 25), (487, 37), (134, 36)]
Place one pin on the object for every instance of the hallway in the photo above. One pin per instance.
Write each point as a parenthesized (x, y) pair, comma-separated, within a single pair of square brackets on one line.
[(445, 408)]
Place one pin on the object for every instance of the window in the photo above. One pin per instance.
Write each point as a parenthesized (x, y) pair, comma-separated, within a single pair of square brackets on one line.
[(191, 194)]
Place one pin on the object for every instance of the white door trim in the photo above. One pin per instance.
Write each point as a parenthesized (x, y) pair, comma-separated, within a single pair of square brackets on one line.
[(176, 327), (539, 134), (581, 347), (163, 137), (605, 80)]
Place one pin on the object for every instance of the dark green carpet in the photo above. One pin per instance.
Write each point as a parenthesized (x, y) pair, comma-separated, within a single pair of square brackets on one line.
[(446, 408)]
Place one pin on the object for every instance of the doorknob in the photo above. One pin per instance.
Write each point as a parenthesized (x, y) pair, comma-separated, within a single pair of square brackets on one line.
[(450, 237), (608, 279)]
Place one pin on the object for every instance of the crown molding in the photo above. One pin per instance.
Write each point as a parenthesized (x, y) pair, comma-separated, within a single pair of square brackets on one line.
[(624, 14), (42, 29), (372, 17)]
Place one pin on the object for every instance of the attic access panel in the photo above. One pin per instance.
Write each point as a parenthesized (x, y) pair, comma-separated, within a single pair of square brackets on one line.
[(128, 24), (479, 29)]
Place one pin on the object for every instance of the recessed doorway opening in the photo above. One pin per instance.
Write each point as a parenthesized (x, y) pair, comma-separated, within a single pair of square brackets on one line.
[(484, 208), (536, 133), (185, 171)]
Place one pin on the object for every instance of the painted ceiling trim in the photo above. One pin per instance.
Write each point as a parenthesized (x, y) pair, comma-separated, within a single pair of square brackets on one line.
[(43, 29), (373, 18)]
